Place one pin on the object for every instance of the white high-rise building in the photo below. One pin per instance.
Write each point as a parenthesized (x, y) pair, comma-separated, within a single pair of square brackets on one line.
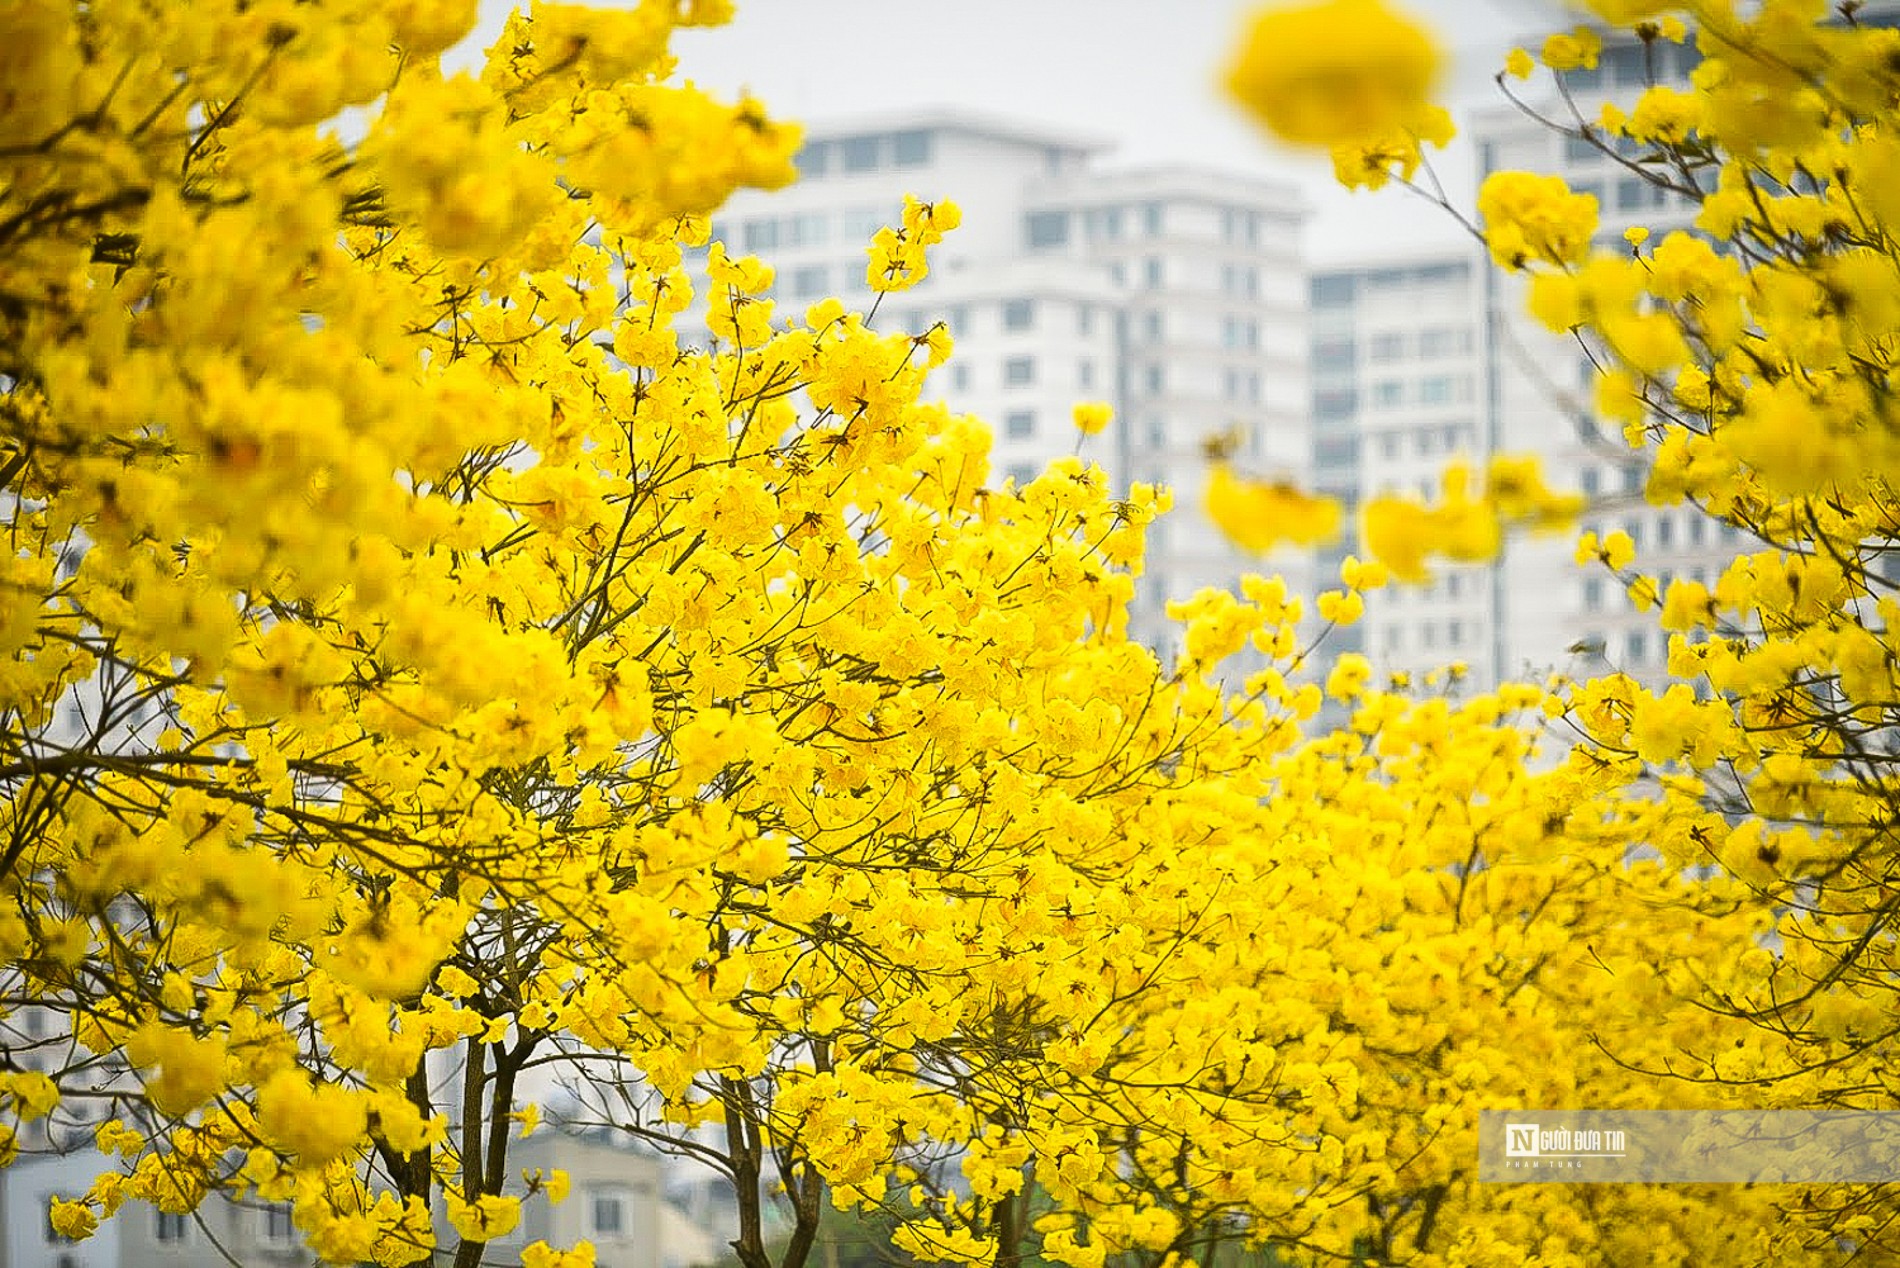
[(1175, 294), (1396, 381), (1540, 388), (1422, 357)]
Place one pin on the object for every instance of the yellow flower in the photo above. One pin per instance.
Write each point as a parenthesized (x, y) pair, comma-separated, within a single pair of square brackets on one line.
[(1335, 72), (317, 1122), (1259, 515), (1535, 218), (542, 1255), (1576, 50), (1341, 607), (1092, 416), (485, 1219), (72, 1220), (1398, 533), (1519, 64)]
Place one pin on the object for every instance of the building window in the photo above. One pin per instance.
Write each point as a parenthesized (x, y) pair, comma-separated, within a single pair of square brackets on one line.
[(1046, 229), (1151, 326), (1085, 374), (1085, 319), (1635, 646), (1151, 220), (171, 1227), (1443, 341), (1592, 594), (960, 377), (607, 1211), (1627, 64), (1331, 290), (859, 153), (1665, 531), (1019, 314), (760, 235), (862, 223), (814, 159), (910, 148), (807, 230), (1388, 393), (1335, 404), (1336, 452), (1580, 149), (1019, 424), (1388, 347), (1333, 354), (1151, 271), (1018, 371), (277, 1225), (1156, 379), (809, 281), (1435, 390), (1023, 473), (1389, 445), (1589, 481), (1105, 222), (1634, 193)]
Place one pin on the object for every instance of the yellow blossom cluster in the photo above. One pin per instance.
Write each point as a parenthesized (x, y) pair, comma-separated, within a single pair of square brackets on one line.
[(422, 659), (1465, 525), (1751, 359)]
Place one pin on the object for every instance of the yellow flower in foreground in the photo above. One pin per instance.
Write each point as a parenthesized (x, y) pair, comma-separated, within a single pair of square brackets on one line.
[(1092, 416), (74, 1221), (1332, 73), (1528, 218), (486, 1218), (1260, 515)]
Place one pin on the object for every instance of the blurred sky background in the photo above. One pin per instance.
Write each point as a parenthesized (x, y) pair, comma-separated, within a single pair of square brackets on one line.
[(1141, 73)]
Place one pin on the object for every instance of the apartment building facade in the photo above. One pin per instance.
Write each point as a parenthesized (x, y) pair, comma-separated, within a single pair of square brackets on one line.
[(1175, 294)]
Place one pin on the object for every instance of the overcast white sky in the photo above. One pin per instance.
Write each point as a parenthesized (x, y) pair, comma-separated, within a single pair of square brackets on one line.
[(1142, 72)]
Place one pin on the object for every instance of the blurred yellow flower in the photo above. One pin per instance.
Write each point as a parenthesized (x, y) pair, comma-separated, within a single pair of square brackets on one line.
[(1259, 515), (1092, 416), (1333, 73)]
